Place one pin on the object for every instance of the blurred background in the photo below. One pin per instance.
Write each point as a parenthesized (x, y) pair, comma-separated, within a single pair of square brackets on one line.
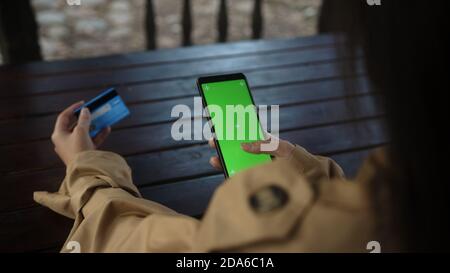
[(103, 27)]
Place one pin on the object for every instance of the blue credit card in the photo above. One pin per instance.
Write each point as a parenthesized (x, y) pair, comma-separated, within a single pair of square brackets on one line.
[(106, 110)]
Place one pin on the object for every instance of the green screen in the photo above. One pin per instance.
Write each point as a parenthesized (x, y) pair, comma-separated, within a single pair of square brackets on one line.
[(234, 93)]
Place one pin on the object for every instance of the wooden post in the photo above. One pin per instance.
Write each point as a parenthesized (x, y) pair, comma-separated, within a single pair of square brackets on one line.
[(150, 26), (187, 23), (258, 20), (223, 22), (19, 39), (335, 16)]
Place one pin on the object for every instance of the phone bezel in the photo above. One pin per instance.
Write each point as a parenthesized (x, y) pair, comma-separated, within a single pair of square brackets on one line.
[(222, 78)]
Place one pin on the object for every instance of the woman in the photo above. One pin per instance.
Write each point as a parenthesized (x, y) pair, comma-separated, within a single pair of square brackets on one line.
[(301, 202)]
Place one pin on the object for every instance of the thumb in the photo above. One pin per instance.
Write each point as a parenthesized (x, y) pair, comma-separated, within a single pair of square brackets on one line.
[(84, 120)]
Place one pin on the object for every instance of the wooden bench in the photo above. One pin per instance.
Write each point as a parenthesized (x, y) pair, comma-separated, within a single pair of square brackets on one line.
[(302, 75)]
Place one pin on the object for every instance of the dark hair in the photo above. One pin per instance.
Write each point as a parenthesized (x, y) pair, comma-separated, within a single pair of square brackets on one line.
[(407, 59)]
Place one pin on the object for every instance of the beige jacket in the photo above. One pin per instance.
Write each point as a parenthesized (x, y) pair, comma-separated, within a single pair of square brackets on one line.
[(300, 204)]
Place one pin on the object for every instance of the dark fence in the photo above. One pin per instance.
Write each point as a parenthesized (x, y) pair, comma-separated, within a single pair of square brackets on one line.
[(19, 41), (186, 20)]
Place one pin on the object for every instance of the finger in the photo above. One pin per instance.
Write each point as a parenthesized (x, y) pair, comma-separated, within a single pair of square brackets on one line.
[(212, 143), (84, 120), (65, 117), (255, 147), (101, 137), (215, 162)]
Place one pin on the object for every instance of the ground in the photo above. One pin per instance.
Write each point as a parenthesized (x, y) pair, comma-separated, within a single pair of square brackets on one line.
[(101, 27)]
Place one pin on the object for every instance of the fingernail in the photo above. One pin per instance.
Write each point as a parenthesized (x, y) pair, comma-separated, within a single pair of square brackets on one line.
[(85, 111), (246, 146)]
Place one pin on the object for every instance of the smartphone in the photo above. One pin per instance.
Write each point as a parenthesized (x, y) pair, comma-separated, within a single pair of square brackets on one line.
[(106, 109), (233, 91)]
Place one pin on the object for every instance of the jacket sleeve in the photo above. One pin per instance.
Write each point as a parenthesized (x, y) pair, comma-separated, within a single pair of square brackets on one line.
[(109, 213)]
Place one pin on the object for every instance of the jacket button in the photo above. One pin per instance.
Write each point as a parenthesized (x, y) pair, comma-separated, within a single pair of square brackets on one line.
[(268, 199)]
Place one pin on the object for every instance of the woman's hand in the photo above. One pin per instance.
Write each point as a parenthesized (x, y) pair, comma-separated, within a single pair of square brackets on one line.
[(70, 141), (285, 149)]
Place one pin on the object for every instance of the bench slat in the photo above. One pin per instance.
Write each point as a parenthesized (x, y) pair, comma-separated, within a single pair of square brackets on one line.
[(167, 72), (166, 56), (145, 114)]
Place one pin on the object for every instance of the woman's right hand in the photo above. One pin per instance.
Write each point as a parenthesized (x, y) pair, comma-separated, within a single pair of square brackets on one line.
[(285, 149), (70, 141)]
